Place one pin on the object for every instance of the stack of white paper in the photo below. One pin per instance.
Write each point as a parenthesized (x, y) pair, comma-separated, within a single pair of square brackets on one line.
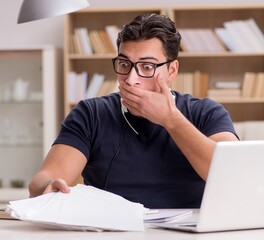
[(84, 208), (165, 215)]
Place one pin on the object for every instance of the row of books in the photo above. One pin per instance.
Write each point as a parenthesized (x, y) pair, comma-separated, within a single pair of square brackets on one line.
[(80, 88), (194, 83), (84, 41), (236, 36), (77, 86), (200, 40), (241, 35), (252, 86), (225, 89)]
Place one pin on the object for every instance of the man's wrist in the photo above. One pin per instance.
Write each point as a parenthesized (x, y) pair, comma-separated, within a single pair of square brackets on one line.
[(171, 120)]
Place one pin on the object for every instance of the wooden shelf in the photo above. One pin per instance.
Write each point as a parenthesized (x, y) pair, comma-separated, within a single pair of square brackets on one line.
[(226, 65), (73, 56), (238, 100), (226, 54), (220, 66)]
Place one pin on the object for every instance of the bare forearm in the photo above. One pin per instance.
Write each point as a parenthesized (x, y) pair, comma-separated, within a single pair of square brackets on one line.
[(196, 147), (61, 167)]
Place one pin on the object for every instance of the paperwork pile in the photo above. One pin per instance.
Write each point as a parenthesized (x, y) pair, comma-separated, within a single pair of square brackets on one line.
[(84, 208)]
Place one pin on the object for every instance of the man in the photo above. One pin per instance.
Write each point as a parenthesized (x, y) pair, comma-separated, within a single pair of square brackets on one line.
[(146, 143)]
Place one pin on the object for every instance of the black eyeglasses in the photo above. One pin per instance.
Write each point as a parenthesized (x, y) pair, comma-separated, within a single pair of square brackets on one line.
[(143, 69)]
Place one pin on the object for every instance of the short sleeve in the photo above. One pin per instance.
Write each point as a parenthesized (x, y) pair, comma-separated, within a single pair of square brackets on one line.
[(76, 129)]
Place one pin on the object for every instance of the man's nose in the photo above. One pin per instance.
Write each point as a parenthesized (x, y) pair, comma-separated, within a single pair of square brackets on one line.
[(133, 78)]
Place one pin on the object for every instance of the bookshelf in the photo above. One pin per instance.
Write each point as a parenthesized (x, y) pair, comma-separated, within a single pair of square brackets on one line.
[(223, 66), (94, 19), (220, 66)]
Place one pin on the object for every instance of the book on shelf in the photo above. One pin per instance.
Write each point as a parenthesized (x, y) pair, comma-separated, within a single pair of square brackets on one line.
[(82, 41), (209, 41), (107, 87), (254, 36), (75, 46), (96, 42), (77, 85), (101, 42), (251, 35), (257, 33), (72, 44), (112, 31), (200, 40), (241, 35), (258, 90), (253, 85), (201, 83), (195, 83), (224, 92), (248, 84), (188, 42), (236, 34), (224, 37), (109, 47), (225, 89), (227, 84), (94, 85), (180, 84)]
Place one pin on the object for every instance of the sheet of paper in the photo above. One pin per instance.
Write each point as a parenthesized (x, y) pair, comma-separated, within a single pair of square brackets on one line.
[(165, 215), (107, 210), (84, 208)]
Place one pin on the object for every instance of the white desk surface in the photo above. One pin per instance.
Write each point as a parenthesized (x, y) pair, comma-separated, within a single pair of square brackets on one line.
[(13, 229)]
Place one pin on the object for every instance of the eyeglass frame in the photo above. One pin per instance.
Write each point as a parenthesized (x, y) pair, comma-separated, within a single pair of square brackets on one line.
[(134, 65)]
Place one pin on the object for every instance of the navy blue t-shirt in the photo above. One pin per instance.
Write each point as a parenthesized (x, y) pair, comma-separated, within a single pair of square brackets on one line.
[(151, 169)]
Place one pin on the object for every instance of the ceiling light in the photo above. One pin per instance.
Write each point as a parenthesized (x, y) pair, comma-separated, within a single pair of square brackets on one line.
[(32, 10)]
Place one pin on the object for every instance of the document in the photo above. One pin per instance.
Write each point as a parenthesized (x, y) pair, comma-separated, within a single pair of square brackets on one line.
[(165, 215), (84, 208)]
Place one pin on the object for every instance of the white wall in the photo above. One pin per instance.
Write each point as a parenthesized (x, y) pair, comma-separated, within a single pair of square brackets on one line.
[(47, 31), (50, 31)]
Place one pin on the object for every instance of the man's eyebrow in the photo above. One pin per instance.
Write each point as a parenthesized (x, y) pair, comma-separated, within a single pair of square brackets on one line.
[(149, 58), (122, 55), (142, 58)]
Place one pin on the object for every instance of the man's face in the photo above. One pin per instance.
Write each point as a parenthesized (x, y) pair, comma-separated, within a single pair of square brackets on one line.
[(146, 51)]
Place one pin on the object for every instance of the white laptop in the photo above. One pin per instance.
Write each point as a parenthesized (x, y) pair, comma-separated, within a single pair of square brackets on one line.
[(234, 193)]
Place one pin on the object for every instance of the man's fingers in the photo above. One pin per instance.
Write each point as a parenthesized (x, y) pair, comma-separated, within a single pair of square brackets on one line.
[(61, 185), (163, 86), (57, 185)]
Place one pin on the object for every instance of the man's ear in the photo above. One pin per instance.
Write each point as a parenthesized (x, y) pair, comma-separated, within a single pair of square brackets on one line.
[(173, 70)]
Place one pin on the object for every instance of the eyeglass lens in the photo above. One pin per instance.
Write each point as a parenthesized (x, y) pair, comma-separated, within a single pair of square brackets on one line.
[(145, 69)]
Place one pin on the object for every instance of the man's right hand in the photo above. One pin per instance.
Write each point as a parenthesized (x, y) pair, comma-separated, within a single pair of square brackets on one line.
[(58, 185)]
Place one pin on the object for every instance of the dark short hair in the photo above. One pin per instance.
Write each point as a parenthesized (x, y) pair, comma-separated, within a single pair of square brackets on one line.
[(150, 26)]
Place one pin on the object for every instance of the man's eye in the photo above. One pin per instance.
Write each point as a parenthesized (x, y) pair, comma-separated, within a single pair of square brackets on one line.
[(148, 67), (123, 64)]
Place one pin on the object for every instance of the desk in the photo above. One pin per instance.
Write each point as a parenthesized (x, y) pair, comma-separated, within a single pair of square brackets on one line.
[(12, 229)]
